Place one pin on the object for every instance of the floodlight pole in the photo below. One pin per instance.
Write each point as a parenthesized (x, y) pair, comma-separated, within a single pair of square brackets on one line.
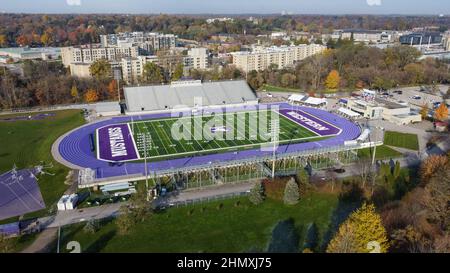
[(118, 89), (145, 162)]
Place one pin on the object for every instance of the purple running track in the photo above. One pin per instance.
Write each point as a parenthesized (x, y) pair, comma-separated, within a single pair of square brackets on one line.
[(75, 147)]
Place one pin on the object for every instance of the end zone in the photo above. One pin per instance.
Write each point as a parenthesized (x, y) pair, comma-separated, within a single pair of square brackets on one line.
[(116, 143)]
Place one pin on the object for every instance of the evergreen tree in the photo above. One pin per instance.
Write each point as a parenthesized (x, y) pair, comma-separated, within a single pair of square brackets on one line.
[(257, 194), (291, 193)]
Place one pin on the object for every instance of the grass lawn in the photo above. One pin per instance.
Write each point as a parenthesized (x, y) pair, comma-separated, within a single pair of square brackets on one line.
[(382, 152), (272, 88), (27, 143), (233, 228), (408, 141)]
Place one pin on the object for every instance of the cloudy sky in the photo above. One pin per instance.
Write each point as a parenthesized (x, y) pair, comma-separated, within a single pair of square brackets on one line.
[(229, 6)]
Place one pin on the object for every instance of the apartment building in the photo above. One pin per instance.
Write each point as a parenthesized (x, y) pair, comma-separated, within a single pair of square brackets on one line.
[(260, 58), (94, 52), (147, 42), (197, 58), (133, 68), (446, 41)]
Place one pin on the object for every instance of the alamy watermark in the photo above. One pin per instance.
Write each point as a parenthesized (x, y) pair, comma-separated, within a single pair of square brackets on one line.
[(254, 123)]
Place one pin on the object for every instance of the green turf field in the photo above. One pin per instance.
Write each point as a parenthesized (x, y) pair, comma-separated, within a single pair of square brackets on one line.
[(402, 140), (163, 144)]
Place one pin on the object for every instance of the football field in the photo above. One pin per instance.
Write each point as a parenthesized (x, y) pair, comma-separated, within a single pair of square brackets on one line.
[(215, 133)]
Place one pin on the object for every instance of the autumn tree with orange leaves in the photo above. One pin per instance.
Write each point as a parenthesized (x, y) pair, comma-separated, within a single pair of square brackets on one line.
[(112, 89), (91, 96), (441, 112), (430, 165)]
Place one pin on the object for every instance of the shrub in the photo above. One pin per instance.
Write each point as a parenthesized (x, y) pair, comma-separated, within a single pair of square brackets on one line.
[(291, 193), (256, 195), (220, 206), (92, 226)]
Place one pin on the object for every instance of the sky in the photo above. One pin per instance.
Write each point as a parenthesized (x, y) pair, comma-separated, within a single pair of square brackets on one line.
[(229, 6)]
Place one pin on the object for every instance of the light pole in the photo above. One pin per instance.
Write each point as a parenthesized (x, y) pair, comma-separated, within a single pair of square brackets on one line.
[(275, 135), (146, 137)]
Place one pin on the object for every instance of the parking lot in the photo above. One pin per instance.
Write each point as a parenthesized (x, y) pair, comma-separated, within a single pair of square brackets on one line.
[(417, 98)]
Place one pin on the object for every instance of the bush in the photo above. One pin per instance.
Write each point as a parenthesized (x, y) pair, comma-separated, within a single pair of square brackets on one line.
[(220, 206), (92, 226), (256, 195), (291, 193)]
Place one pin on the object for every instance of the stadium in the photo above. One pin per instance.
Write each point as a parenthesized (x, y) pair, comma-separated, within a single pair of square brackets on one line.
[(193, 134)]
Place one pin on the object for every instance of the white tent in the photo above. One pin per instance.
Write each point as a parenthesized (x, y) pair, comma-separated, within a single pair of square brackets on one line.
[(295, 98), (315, 101)]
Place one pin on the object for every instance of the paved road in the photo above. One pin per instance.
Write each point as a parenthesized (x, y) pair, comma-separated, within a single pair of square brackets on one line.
[(43, 241)]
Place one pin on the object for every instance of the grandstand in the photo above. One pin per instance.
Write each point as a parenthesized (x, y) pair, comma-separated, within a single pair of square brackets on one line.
[(188, 94)]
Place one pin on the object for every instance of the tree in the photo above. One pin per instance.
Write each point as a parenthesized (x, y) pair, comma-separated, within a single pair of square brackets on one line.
[(91, 96), (100, 69), (178, 73), (153, 73), (344, 241), (441, 112), (256, 195), (74, 92), (138, 210), (46, 39), (288, 80), (291, 192), (6, 244), (431, 165), (424, 111), (92, 226), (112, 90), (23, 40), (124, 221), (333, 80), (3, 40), (359, 231)]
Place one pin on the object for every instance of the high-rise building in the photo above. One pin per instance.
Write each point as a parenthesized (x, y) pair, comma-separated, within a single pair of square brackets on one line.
[(148, 42), (261, 57), (94, 52), (197, 58)]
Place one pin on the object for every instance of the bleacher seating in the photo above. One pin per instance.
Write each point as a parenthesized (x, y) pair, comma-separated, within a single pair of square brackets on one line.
[(164, 97)]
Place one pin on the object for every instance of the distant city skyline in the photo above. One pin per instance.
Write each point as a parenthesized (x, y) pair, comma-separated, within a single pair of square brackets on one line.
[(402, 7)]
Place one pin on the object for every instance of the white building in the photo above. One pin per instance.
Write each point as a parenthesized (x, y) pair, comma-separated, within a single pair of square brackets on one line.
[(132, 68), (377, 108), (27, 53), (262, 57), (92, 53), (197, 58), (148, 42)]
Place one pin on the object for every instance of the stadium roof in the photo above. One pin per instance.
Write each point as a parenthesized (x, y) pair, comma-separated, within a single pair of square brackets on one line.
[(188, 94)]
